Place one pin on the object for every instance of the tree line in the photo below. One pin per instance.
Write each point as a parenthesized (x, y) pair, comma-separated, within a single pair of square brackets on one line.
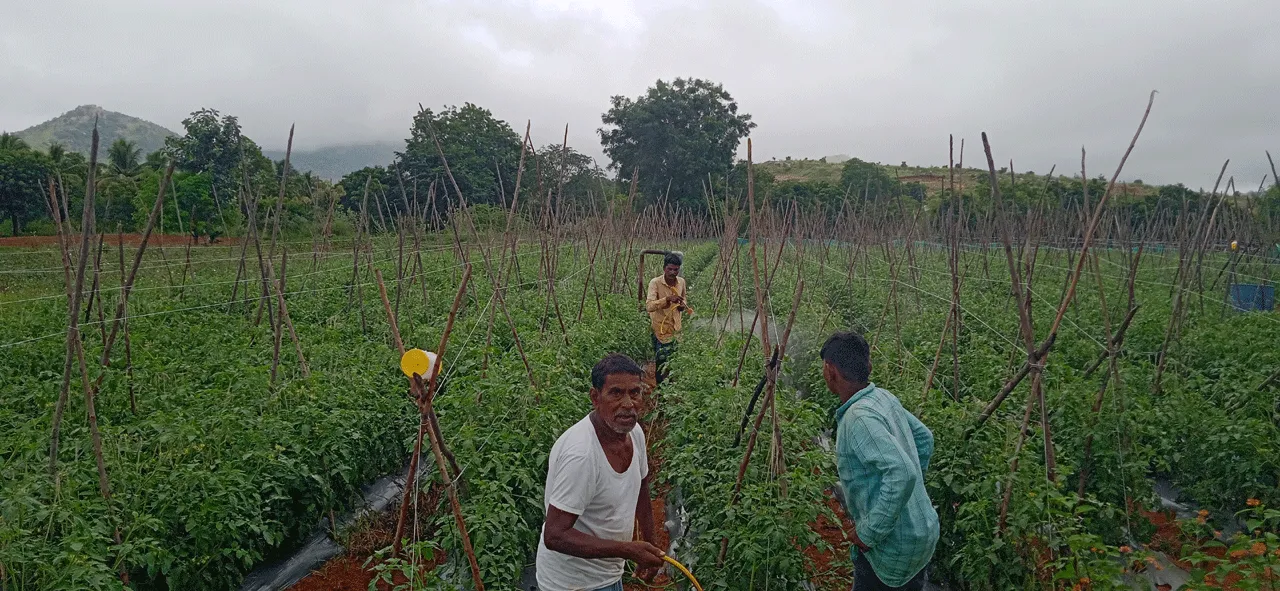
[(679, 141)]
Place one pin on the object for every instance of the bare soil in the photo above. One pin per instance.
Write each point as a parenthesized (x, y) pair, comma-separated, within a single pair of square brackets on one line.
[(130, 239)]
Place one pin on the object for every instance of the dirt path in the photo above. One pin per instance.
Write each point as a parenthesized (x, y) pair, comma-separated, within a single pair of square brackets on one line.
[(832, 569), (130, 239), (654, 430)]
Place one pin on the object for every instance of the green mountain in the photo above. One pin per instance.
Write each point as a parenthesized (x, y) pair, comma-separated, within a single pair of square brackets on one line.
[(333, 162), (74, 130)]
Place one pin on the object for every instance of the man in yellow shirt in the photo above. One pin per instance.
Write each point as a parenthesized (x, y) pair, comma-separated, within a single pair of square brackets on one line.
[(666, 304)]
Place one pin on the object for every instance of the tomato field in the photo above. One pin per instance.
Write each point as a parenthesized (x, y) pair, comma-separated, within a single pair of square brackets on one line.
[(1072, 375)]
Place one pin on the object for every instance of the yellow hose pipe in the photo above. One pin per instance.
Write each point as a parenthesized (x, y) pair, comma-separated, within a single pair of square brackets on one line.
[(681, 568)]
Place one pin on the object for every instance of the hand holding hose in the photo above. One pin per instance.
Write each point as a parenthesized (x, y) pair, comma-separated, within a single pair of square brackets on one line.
[(645, 555)]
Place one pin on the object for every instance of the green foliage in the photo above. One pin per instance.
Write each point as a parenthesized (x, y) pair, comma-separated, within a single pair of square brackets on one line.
[(477, 147), (766, 529), (584, 181), (214, 145), (24, 177), (677, 134), (381, 180), (194, 199), (122, 158), (866, 179), (10, 142), (1248, 560), (810, 196)]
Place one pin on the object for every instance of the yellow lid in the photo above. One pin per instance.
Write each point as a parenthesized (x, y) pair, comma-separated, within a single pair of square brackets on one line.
[(419, 362)]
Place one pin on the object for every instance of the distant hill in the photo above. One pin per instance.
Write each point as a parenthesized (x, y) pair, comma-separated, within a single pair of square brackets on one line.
[(333, 162), (74, 130)]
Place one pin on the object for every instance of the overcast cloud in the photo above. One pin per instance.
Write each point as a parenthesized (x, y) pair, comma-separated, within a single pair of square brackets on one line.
[(884, 80)]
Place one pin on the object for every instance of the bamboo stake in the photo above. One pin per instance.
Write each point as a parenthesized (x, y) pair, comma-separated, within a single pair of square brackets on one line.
[(284, 181), (1046, 345), (128, 346), (484, 253), (424, 394)]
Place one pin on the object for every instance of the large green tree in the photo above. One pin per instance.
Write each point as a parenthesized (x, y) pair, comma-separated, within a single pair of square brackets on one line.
[(677, 134), (212, 144), (478, 147), (867, 179), (584, 181), (24, 174), (216, 160), (382, 182)]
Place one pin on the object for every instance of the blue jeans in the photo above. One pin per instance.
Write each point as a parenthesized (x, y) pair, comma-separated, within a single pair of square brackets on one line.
[(616, 586)]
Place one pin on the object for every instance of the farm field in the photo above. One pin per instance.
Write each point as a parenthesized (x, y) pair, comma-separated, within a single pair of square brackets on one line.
[(219, 460)]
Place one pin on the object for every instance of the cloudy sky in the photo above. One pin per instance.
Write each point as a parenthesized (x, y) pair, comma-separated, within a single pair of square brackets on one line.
[(884, 80)]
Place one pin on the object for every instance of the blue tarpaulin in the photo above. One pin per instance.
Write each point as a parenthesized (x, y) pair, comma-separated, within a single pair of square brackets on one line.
[(1247, 297)]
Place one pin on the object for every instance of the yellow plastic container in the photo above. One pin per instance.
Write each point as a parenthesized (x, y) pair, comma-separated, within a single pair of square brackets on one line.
[(419, 362)]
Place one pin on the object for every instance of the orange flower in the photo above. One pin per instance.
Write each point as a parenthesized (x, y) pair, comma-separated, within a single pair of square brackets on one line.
[(1125, 549), (1277, 552), (1253, 502), (1203, 513), (1238, 554), (1258, 549)]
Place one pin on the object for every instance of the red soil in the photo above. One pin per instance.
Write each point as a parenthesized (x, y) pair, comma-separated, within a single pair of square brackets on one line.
[(654, 432), (130, 239), (832, 568), (346, 572), (1177, 544)]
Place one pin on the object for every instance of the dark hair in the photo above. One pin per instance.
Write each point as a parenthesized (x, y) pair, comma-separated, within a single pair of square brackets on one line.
[(611, 364), (672, 259), (849, 353)]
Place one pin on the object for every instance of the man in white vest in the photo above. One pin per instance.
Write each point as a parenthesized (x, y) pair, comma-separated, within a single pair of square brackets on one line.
[(598, 488)]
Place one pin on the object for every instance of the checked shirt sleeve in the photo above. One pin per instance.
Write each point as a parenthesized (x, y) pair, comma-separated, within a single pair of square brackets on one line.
[(876, 447), (924, 441)]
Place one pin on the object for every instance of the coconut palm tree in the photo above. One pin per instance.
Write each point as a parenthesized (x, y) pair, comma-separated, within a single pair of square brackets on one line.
[(56, 152), (8, 141), (124, 158)]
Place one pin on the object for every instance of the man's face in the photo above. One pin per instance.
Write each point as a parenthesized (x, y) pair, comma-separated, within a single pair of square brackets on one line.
[(618, 402), (670, 272)]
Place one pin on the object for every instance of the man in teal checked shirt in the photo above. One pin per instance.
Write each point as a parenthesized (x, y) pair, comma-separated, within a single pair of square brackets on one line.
[(882, 452)]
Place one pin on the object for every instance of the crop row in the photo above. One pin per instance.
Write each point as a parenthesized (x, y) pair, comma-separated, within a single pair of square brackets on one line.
[(220, 470)]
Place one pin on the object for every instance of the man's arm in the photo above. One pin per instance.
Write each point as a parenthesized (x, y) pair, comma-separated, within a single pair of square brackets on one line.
[(924, 441), (877, 448), (560, 536), (684, 296), (652, 302), (644, 513)]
